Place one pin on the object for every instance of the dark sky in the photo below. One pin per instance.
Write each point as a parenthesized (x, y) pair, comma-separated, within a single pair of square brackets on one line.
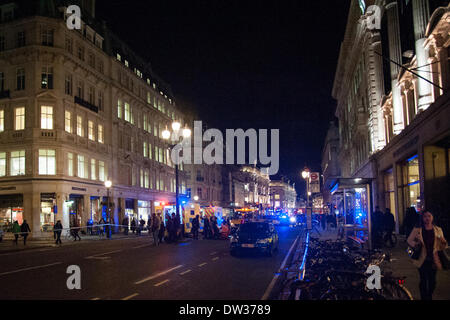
[(244, 64)]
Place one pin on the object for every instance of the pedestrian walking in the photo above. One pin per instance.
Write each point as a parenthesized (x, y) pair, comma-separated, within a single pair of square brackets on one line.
[(161, 231), (388, 226), (133, 225), (101, 227), (155, 225), (377, 228), (58, 229), (177, 226), (206, 228), (25, 230), (215, 228), (412, 219), (430, 239), (75, 230), (16, 231), (195, 227), (141, 225), (125, 223)]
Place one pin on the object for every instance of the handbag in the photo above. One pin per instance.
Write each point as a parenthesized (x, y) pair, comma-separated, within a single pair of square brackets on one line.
[(414, 252), (444, 260)]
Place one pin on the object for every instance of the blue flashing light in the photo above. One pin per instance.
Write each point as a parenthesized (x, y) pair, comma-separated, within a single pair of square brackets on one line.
[(413, 183), (336, 186), (412, 158)]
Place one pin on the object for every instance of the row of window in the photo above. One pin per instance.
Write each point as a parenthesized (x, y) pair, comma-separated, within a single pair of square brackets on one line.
[(93, 61), (86, 169), (93, 134), (46, 39), (46, 78)]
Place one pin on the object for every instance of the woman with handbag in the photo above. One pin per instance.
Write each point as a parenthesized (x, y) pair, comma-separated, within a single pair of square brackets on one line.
[(429, 240)]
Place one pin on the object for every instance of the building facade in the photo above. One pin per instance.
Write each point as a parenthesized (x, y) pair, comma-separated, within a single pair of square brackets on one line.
[(282, 195), (392, 85), (77, 108), (330, 163)]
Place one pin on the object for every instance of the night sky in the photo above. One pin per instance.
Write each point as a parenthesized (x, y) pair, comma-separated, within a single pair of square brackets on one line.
[(244, 64)]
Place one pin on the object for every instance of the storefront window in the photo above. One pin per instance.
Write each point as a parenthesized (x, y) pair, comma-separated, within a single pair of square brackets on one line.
[(389, 190), (47, 218), (409, 182), (11, 209), (75, 206), (96, 209), (144, 210)]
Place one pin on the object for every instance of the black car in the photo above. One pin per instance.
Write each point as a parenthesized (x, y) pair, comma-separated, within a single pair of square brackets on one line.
[(260, 236)]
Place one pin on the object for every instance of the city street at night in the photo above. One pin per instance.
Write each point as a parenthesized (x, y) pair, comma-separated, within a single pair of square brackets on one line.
[(133, 268)]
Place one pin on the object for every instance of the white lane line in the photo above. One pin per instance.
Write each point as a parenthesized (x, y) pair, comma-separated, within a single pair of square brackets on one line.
[(275, 278), (30, 268), (93, 299), (183, 273), (142, 246), (214, 259), (158, 274), (202, 264), (131, 296), (102, 254), (162, 282), (213, 253)]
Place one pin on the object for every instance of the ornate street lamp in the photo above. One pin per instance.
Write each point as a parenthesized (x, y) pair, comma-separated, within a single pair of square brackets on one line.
[(166, 135)]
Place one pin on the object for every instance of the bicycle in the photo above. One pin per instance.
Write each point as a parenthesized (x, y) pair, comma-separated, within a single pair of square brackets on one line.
[(68, 235)]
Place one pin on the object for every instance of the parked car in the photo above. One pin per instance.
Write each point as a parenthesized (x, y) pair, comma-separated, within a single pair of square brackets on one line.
[(259, 236)]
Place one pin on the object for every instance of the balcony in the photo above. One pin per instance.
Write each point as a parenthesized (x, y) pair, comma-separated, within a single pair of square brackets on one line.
[(86, 104)]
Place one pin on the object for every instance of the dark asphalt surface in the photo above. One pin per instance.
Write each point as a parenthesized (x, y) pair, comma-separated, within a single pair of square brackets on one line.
[(135, 269)]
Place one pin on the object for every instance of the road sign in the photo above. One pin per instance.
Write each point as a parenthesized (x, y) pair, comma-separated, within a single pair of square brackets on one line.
[(314, 177)]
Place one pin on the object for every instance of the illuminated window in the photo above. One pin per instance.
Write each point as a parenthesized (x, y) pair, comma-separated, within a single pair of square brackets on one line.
[(93, 169), (47, 77), (20, 77), (91, 134), (18, 163), (141, 176), (68, 121), (47, 117), (149, 98), (101, 171), (146, 177), (70, 164), (119, 57), (19, 118), (150, 151), (145, 150), (81, 164), (2, 164), (127, 112), (100, 134), (80, 127), (145, 124), (47, 162), (119, 109), (2, 120)]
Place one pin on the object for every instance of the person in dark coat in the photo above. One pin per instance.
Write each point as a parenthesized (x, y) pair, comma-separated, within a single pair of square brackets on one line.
[(177, 226), (125, 223), (58, 229), (75, 231), (388, 225), (195, 227), (377, 228), (101, 227), (162, 229), (206, 228), (215, 227), (25, 230), (133, 225), (412, 219)]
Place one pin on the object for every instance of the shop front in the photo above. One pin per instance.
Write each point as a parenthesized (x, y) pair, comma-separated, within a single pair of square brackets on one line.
[(11, 209), (48, 212), (76, 207), (145, 210)]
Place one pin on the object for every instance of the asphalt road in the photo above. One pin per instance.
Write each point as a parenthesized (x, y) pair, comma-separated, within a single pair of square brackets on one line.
[(135, 269)]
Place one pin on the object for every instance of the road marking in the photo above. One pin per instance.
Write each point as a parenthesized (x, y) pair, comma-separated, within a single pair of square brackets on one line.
[(187, 271), (213, 253), (142, 246), (275, 278), (214, 259), (95, 299), (30, 268), (202, 264), (162, 282), (131, 297), (97, 256), (158, 274)]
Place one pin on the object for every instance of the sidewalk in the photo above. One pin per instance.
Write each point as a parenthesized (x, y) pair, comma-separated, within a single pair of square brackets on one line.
[(402, 266), (7, 244)]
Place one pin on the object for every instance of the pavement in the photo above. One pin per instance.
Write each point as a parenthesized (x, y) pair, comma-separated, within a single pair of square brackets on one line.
[(402, 266), (133, 268)]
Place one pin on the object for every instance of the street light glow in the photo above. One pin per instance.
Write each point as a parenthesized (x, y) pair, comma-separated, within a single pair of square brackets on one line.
[(166, 134), (186, 132), (108, 184), (176, 126), (305, 174), (196, 198)]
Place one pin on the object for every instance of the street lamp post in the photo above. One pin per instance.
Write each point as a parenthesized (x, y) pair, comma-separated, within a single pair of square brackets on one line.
[(173, 138), (108, 185), (305, 175)]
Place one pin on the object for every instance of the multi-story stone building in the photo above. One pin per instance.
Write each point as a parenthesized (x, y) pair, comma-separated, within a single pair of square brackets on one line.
[(256, 188), (282, 195), (392, 85), (77, 108), (330, 164)]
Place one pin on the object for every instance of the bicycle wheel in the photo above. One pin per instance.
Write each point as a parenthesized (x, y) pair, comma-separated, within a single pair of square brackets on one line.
[(394, 291)]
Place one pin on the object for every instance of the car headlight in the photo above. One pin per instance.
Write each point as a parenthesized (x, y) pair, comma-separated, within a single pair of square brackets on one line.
[(292, 219), (263, 241)]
